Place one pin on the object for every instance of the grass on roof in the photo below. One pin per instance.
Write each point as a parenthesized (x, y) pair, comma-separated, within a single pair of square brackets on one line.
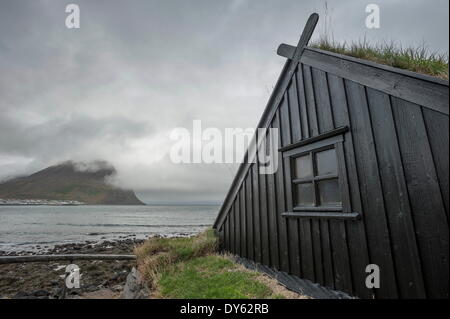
[(418, 59)]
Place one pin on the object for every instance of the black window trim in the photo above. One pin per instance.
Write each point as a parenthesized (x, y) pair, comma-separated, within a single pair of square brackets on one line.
[(334, 132), (333, 139)]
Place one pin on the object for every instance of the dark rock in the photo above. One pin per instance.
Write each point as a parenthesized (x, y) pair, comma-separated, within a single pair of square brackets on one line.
[(57, 293), (135, 287), (90, 288), (20, 294), (40, 293)]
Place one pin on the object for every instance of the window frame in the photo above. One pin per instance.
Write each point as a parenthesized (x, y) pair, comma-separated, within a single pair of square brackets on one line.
[(315, 179), (333, 139)]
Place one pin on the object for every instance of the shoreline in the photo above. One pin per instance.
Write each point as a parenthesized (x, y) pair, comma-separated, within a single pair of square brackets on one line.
[(44, 248)]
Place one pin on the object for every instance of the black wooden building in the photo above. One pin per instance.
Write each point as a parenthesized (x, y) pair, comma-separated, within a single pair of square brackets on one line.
[(363, 178)]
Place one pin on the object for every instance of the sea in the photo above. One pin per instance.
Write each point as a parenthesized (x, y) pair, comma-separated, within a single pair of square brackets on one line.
[(27, 227)]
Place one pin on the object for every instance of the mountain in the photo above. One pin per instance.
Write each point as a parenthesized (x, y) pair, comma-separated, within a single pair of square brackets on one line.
[(70, 181)]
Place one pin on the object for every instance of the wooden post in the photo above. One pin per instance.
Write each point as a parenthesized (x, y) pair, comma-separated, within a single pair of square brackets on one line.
[(295, 53), (70, 258)]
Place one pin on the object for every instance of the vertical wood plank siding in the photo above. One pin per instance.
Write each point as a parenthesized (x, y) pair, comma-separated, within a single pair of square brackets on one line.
[(395, 174), (313, 131), (294, 241), (281, 202), (425, 194)]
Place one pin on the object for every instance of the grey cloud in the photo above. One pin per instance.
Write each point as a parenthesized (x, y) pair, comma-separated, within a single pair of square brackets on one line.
[(137, 69)]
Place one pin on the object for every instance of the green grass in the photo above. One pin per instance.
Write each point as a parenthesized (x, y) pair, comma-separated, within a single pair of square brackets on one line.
[(192, 268), (211, 277), (417, 59), (156, 254)]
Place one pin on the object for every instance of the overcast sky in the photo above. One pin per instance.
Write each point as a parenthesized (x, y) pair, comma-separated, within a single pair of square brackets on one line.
[(115, 88)]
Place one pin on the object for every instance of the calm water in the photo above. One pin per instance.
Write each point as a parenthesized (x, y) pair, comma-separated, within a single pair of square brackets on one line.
[(23, 227)]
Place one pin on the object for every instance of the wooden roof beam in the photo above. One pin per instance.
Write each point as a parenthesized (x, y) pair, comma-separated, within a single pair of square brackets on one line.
[(294, 53)]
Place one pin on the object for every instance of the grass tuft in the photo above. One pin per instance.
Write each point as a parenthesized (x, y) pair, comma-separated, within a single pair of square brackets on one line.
[(418, 59)]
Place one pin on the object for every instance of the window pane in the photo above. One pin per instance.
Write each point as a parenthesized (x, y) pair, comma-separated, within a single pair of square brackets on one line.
[(303, 167), (326, 162), (305, 194), (329, 193)]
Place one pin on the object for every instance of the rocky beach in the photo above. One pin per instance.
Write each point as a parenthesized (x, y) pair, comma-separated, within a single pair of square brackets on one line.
[(45, 280)]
